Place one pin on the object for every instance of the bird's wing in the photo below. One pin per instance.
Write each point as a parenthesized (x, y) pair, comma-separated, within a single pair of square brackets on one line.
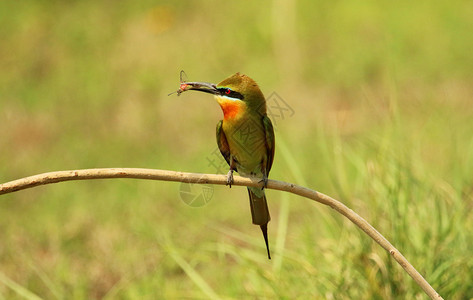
[(222, 142), (269, 134)]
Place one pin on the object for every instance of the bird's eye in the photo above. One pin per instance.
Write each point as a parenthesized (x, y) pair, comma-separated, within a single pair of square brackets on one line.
[(228, 92)]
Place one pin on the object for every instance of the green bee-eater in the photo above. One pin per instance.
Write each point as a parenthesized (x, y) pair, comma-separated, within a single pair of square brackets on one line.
[(245, 136)]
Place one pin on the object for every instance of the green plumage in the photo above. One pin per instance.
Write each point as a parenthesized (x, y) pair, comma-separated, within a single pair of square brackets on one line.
[(247, 142), (245, 136)]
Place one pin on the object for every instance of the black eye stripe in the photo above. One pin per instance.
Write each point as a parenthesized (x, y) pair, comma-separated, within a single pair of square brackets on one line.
[(230, 93)]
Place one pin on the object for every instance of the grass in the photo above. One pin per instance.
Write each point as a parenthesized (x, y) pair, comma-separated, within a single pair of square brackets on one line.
[(381, 94)]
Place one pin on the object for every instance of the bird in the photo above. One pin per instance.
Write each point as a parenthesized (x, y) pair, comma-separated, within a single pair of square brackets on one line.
[(245, 137)]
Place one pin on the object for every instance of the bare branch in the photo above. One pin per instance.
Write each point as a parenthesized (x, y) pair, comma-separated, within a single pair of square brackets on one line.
[(53, 177)]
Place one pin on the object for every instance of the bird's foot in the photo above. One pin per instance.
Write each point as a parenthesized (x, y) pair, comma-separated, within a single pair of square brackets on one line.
[(264, 181), (230, 178)]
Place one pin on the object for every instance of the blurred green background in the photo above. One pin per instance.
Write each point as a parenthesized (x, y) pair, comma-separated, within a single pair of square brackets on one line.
[(382, 95)]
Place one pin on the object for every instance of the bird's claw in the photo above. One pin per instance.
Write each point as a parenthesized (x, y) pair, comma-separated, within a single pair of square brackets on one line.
[(230, 178), (264, 181)]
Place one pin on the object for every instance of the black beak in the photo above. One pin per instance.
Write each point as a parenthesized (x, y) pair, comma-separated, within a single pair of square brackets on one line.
[(195, 86), (200, 86)]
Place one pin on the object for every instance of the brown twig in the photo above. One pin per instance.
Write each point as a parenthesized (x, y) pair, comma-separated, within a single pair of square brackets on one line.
[(59, 176)]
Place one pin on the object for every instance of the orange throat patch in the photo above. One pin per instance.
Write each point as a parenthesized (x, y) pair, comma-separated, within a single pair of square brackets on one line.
[(231, 108)]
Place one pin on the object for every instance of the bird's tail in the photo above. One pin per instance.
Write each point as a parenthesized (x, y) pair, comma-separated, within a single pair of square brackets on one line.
[(260, 213)]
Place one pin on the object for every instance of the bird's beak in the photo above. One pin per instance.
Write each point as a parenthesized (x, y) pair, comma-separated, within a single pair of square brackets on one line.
[(199, 86)]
